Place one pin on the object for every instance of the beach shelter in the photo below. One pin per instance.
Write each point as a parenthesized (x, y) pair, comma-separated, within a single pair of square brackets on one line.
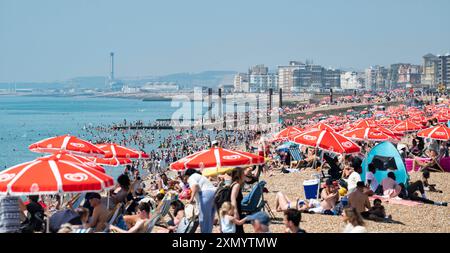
[(286, 146), (386, 158), (52, 175), (67, 143), (440, 132), (217, 158), (119, 151)]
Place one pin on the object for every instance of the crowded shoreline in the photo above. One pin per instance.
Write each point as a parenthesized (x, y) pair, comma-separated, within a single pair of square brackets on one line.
[(154, 180)]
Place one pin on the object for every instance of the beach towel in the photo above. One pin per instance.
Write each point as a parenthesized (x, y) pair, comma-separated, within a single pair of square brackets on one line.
[(395, 201)]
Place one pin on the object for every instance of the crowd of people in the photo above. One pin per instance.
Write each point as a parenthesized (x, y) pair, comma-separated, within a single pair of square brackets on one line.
[(217, 200)]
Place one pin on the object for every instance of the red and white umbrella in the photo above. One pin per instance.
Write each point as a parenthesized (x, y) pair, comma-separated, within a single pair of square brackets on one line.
[(67, 143), (115, 150), (366, 123), (320, 126), (285, 133), (217, 158), (438, 133), (441, 117), (368, 134), (418, 119), (79, 159), (52, 175), (114, 162), (388, 121), (407, 126), (326, 140)]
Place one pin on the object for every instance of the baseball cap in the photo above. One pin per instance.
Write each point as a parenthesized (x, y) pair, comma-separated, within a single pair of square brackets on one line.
[(261, 217)]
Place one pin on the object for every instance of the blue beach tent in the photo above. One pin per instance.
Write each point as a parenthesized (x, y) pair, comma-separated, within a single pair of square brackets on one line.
[(386, 158)]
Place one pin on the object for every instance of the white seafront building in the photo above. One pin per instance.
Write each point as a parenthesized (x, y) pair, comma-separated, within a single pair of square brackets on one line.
[(351, 80)]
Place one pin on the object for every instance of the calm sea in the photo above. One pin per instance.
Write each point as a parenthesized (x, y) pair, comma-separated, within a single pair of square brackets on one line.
[(25, 120)]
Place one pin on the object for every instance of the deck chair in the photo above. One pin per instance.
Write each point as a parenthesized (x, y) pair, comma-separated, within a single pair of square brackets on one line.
[(160, 212), (295, 154), (78, 200), (254, 201), (114, 215)]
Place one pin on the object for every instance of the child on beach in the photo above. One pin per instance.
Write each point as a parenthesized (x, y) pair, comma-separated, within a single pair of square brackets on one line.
[(227, 220), (376, 212)]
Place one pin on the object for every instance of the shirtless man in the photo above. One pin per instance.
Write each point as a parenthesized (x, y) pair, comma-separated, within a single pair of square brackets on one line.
[(329, 197), (100, 214), (358, 199)]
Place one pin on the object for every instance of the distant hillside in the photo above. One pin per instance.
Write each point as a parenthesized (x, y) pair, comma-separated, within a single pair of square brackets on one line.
[(185, 80), (188, 80)]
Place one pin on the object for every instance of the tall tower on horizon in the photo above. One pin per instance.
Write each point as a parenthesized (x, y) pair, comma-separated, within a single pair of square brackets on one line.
[(111, 75)]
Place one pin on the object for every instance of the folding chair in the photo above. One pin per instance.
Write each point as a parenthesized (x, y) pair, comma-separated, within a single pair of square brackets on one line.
[(114, 215), (254, 201), (295, 154), (160, 212)]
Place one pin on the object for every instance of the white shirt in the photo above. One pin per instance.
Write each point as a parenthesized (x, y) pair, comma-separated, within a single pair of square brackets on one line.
[(373, 181), (352, 180), (227, 226), (349, 228), (203, 183)]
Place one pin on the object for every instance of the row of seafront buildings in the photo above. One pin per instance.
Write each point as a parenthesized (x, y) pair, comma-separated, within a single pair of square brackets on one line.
[(298, 76)]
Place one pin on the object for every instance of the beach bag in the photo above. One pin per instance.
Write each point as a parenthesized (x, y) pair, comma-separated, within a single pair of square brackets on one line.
[(185, 194), (190, 222), (223, 194), (191, 211)]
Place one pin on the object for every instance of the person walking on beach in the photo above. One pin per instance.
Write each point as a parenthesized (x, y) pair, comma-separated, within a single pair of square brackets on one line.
[(203, 194)]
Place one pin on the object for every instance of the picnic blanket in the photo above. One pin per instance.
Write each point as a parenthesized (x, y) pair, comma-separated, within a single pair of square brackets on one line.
[(403, 202)]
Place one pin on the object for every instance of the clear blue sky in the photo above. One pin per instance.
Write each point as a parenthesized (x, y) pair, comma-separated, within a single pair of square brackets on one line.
[(55, 40)]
